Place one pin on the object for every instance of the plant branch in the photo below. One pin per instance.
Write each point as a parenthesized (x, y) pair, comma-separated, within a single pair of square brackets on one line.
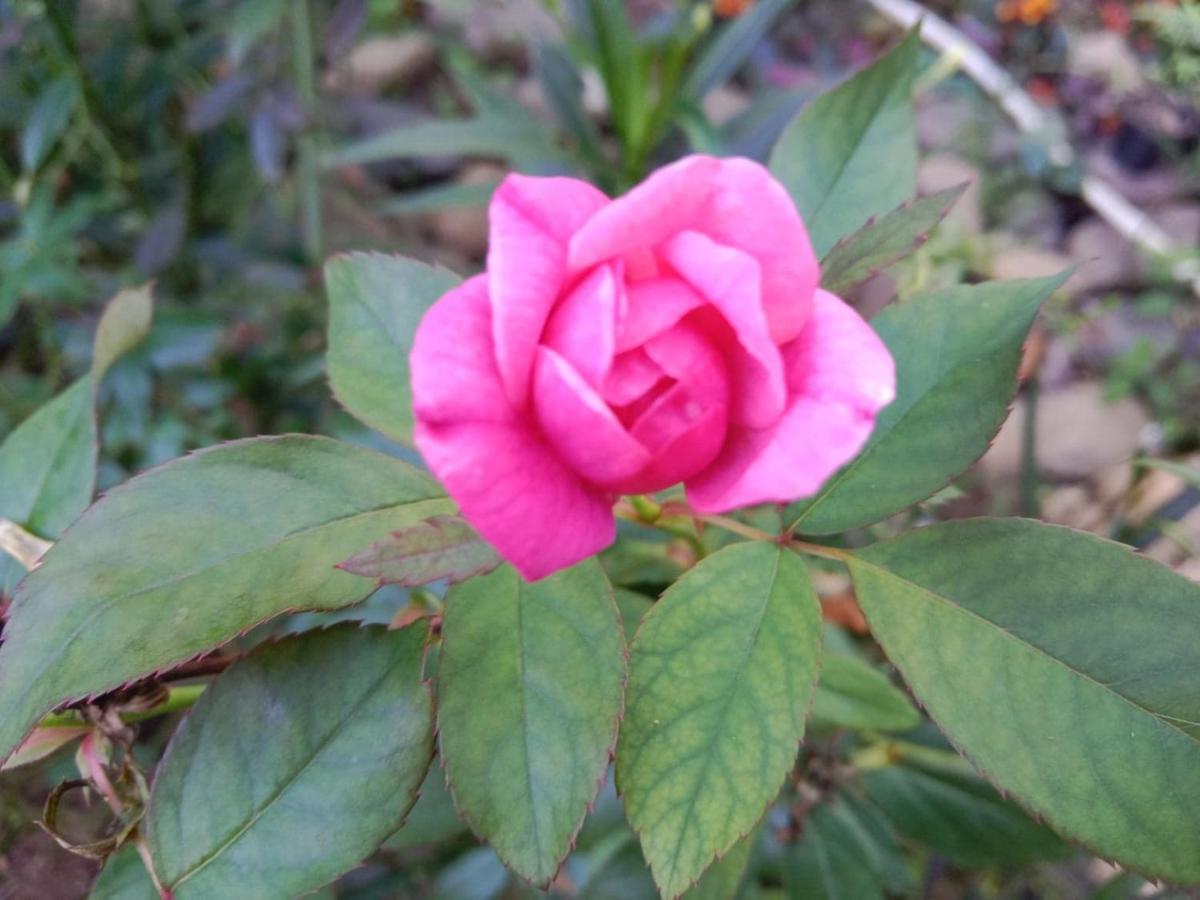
[(1132, 224), (178, 698)]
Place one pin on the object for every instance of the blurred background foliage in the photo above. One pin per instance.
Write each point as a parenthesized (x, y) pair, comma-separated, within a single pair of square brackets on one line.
[(222, 148)]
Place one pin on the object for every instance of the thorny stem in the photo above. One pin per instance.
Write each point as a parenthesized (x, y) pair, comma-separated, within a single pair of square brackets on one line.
[(757, 534), (178, 698)]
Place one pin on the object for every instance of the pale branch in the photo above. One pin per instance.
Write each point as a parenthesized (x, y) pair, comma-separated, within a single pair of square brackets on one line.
[(1130, 222)]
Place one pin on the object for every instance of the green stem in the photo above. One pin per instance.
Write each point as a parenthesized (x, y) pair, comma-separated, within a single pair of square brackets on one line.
[(178, 698), (1028, 502), (308, 163)]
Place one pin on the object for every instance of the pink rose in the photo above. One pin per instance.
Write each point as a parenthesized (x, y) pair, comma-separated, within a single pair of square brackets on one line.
[(675, 334)]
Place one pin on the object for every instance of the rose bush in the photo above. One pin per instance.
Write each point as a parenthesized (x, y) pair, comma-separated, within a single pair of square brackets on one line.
[(675, 334)]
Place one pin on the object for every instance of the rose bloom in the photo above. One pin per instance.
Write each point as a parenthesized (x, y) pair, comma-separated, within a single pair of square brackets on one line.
[(675, 334)]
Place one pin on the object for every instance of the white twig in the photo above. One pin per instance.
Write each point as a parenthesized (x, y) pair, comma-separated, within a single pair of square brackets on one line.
[(1129, 221)]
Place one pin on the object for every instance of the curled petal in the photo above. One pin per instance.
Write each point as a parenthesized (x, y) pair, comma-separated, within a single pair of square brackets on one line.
[(739, 204), (632, 375), (752, 212), (654, 306), (530, 223), (730, 281), (580, 426), (517, 493), (454, 375), (684, 427), (582, 328), (667, 202), (842, 375)]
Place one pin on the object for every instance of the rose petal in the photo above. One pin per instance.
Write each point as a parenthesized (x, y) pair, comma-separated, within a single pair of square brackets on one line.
[(667, 202), (582, 327), (517, 493), (684, 427), (729, 280), (843, 375), (841, 356), (653, 307), (751, 211), (632, 374), (739, 204), (530, 222), (454, 375), (580, 426)]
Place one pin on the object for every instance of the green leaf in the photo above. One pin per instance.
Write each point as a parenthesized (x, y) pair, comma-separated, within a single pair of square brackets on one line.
[(439, 197), (723, 878), (621, 875), (48, 463), (852, 153), (621, 68), (851, 694), (846, 851), (960, 816), (375, 305), (433, 819), (883, 241), (124, 324), (1064, 666), (124, 877), (47, 121), (957, 352), (191, 554), (734, 43), (529, 695), (520, 140), (633, 607), (721, 674), (440, 547), (293, 766), (48, 471)]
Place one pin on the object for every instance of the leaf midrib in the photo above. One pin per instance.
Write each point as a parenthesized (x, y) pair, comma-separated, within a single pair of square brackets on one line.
[(734, 682), (527, 753), (953, 605), (859, 138)]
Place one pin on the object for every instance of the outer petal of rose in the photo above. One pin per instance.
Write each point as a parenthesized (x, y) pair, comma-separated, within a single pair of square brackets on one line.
[(653, 307), (530, 222), (750, 210), (843, 375), (738, 203), (729, 280), (840, 355), (668, 201), (513, 489), (582, 328), (580, 426), (454, 375)]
